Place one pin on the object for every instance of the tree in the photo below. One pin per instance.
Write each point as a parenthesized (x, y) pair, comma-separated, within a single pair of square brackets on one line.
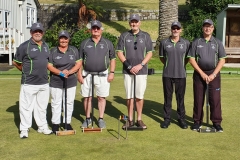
[(87, 11), (168, 13), (200, 10)]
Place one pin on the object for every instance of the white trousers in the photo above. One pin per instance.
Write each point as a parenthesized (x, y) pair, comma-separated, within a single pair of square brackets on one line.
[(57, 98), (33, 98), (141, 84)]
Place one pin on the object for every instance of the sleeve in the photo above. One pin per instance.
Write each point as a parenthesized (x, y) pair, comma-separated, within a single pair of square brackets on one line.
[(120, 45), (112, 54), (192, 50), (149, 46), (51, 56), (81, 51), (221, 50), (20, 53), (161, 49), (187, 48)]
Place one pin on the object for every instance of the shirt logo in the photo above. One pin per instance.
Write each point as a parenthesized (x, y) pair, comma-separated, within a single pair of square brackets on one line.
[(58, 57), (102, 46), (181, 46), (71, 57), (128, 40), (141, 40), (199, 46), (169, 46), (45, 49), (89, 46), (213, 46), (34, 49), (38, 25)]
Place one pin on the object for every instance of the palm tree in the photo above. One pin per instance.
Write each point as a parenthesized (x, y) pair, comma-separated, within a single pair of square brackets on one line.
[(168, 12)]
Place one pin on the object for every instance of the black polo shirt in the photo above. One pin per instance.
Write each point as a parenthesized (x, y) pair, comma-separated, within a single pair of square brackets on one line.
[(207, 53), (96, 57), (34, 60), (174, 55), (135, 53), (63, 61)]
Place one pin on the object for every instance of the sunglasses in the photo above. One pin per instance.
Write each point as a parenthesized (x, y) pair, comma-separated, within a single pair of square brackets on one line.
[(175, 29), (95, 27), (135, 45)]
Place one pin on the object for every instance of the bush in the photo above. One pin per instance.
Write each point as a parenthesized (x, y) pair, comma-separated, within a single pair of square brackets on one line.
[(83, 34)]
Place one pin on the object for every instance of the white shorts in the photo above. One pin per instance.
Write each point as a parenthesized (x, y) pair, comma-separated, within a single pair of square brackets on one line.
[(101, 85), (141, 83)]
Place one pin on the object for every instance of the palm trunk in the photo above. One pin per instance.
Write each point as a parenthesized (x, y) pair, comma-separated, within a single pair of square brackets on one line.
[(168, 12)]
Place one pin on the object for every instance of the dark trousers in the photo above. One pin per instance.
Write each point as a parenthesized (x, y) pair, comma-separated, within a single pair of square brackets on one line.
[(214, 92), (180, 86)]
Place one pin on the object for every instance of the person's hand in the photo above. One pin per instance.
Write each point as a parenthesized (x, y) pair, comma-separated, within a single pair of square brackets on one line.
[(204, 76), (110, 77), (66, 73), (211, 77), (136, 69)]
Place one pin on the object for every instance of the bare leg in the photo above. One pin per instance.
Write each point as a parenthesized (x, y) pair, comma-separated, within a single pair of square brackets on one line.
[(87, 106), (101, 106), (139, 106), (130, 108)]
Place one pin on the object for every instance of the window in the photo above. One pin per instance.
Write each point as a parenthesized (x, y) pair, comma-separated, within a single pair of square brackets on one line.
[(31, 12), (4, 19)]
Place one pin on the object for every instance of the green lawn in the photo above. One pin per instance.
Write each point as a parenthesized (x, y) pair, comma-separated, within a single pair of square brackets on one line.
[(153, 143)]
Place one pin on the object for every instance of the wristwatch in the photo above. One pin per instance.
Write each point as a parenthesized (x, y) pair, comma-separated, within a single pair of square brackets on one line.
[(142, 64)]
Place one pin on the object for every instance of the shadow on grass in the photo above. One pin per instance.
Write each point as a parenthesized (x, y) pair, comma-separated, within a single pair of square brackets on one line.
[(15, 110), (154, 110)]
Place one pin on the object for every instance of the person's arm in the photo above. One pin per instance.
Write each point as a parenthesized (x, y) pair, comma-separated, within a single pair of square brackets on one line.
[(79, 73), (17, 65), (216, 70), (162, 60), (54, 70), (194, 64)]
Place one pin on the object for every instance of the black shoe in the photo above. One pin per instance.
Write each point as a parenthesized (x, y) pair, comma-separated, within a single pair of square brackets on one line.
[(69, 127), (55, 128), (182, 124), (218, 127), (165, 124), (196, 127)]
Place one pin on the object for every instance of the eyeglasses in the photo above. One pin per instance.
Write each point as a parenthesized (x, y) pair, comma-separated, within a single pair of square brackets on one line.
[(175, 29), (135, 45)]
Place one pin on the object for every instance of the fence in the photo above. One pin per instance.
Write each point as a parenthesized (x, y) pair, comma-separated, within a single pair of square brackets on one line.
[(10, 39)]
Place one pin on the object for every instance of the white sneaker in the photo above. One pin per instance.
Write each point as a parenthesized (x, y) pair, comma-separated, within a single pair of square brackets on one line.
[(24, 134), (45, 131)]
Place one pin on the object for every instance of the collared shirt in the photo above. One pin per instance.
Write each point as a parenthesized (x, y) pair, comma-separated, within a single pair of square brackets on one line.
[(63, 61), (174, 55), (34, 60), (135, 47), (207, 53), (96, 57)]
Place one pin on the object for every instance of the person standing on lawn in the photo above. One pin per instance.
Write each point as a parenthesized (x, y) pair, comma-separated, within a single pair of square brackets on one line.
[(207, 56), (64, 62), (97, 54), (173, 53), (32, 59), (134, 50)]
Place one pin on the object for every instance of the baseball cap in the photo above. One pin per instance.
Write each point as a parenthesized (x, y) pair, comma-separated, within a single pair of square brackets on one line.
[(134, 17), (208, 21), (64, 33), (96, 23), (176, 23), (37, 26)]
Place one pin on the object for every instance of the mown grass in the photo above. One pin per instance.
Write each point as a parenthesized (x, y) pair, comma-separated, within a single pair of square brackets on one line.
[(153, 143)]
